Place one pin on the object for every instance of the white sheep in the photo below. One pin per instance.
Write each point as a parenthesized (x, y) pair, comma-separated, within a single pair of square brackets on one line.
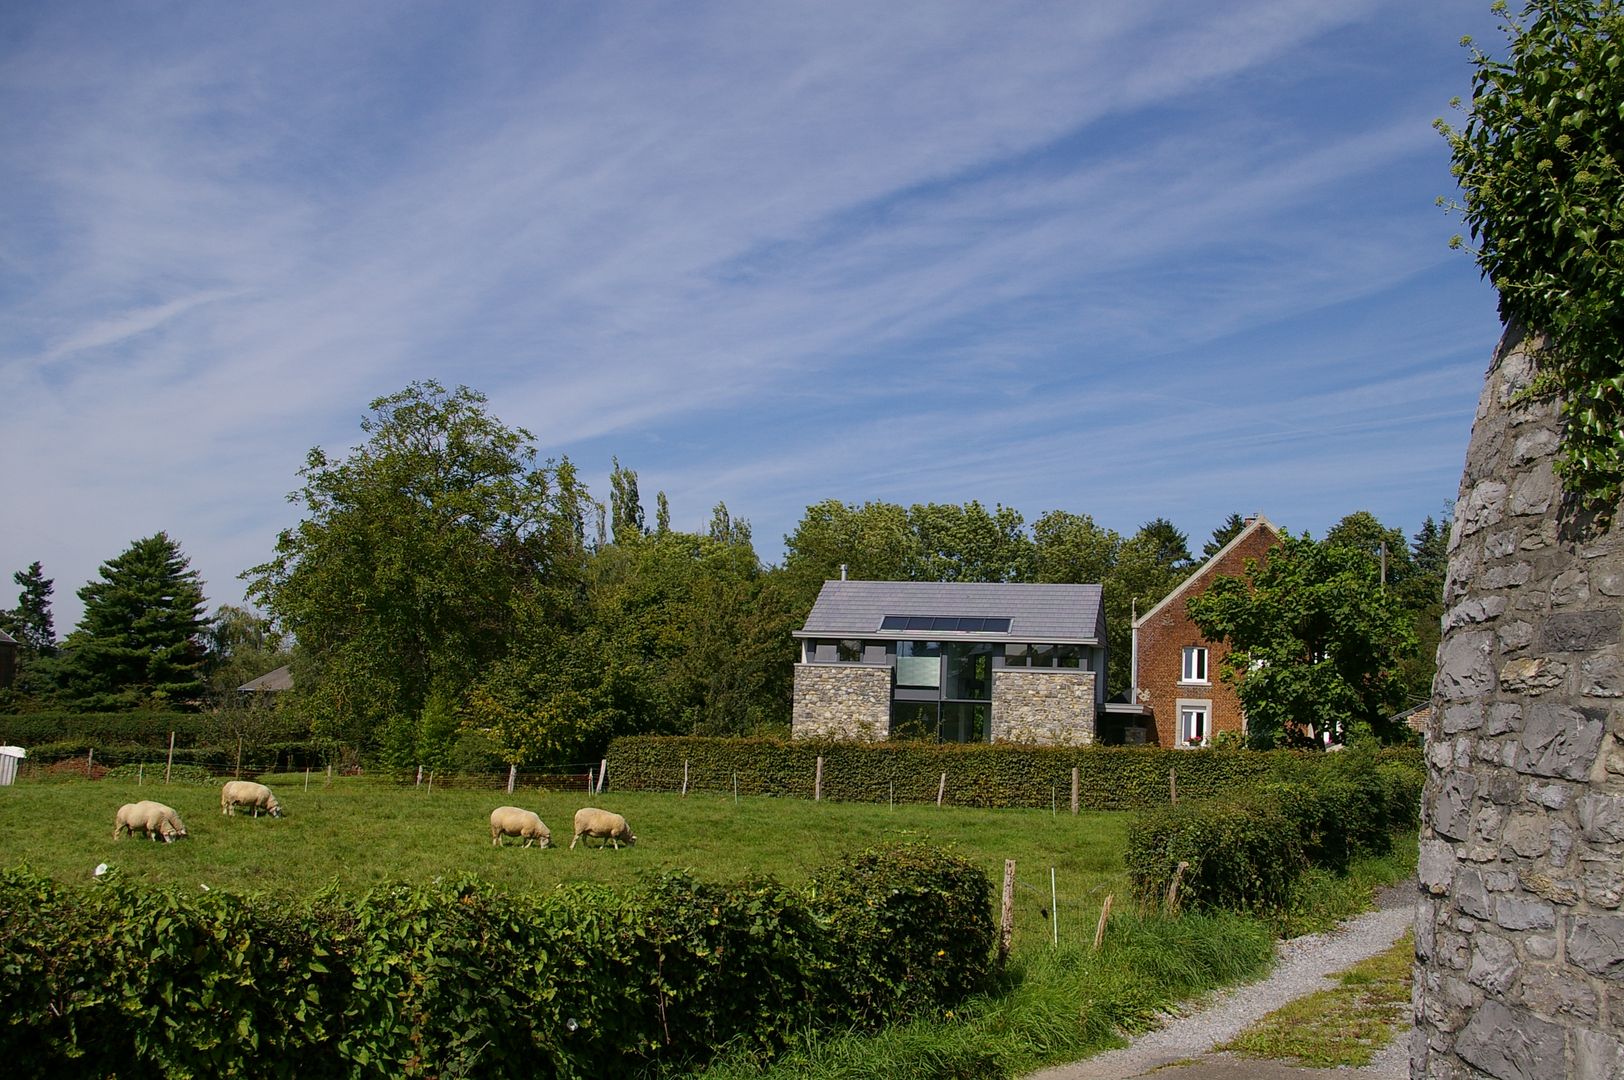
[(590, 821), (237, 793), (514, 821), (153, 818)]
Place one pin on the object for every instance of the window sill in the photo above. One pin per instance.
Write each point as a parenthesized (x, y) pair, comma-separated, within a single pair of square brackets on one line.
[(1197, 682)]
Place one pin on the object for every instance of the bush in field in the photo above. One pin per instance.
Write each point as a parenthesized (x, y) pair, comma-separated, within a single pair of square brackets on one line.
[(459, 978), (1246, 850)]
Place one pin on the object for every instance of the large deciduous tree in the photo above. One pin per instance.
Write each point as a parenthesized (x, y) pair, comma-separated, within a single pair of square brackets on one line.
[(140, 640), (1316, 643), (402, 582)]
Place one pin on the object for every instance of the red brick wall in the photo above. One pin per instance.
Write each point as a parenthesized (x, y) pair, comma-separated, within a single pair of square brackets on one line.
[(1162, 637)]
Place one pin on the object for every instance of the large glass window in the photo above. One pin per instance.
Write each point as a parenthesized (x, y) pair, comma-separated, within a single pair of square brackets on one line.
[(964, 722), (969, 671), (1194, 728), (849, 651), (914, 720), (1047, 656), (919, 663)]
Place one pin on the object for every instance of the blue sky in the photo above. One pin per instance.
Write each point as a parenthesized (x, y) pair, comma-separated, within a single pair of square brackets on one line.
[(1128, 260)]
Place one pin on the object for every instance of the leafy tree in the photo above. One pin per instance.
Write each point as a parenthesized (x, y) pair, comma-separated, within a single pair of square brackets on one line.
[(969, 543), (1316, 644), (1232, 527), (1422, 594), (416, 549), (662, 513), (140, 641), (1071, 549), (1540, 163), (1362, 531), (874, 541), (625, 509)]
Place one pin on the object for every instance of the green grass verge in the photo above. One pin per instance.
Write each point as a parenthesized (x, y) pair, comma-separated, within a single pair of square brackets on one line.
[(1323, 899), (1343, 1026)]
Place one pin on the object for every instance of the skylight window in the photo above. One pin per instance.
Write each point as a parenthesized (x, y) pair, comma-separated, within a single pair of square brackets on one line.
[(953, 624)]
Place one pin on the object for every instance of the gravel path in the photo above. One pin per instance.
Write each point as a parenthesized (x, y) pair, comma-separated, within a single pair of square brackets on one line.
[(1305, 966)]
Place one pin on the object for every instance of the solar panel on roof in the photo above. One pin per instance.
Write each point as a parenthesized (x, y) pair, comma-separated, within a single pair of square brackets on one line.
[(960, 624)]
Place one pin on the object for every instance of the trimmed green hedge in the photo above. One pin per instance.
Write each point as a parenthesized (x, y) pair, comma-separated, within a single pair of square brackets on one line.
[(1246, 849), (458, 978), (998, 775)]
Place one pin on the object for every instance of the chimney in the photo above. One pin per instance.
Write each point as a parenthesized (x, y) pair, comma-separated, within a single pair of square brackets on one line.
[(842, 571)]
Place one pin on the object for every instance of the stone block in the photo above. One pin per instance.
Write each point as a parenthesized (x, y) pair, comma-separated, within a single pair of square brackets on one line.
[(1452, 808), (1435, 867), (1527, 835), (1452, 949), (1556, 890), (1597, 1055), (1533, 491), (1516, 636), (1558, 740), (1514, 914), (1464, 667), (1581, 631), (1476, 610), (1603, 880), (1512, 1044), (1570, 587), (1539, 946), (1552, 796), (1532, 675), (1608, 581), (1466, 716), (1512, 576), (1497, 545), (1596, 944), (1602, 676), (1553, 994), (1471, 895), (1485, 507), (1601, 818), (1531, 445), (1494, 964)]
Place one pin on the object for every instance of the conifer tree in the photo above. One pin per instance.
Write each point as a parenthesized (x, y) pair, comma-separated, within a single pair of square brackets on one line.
[(30, 622), (140, 641)]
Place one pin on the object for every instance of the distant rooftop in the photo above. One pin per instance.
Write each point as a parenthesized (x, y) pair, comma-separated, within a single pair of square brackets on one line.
[(1069, 614), (280, 679)]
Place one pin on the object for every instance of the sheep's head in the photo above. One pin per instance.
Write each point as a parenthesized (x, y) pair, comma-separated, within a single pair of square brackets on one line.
[(274, 808)]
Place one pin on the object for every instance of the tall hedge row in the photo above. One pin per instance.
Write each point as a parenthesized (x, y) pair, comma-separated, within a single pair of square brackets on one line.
[(1246, 849), (461, 979), (123, 738), (998, 775)]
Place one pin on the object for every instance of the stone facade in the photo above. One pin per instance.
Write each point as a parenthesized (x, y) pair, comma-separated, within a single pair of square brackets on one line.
[(842, 701), (1162, 635), (1043, 706), (1519, 932)]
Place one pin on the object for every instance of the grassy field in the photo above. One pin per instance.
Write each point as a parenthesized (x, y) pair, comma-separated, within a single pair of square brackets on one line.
[(358, 833)]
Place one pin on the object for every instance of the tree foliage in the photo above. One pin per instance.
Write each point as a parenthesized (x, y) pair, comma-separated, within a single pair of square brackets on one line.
[(1540, 163), (1315, 643), (140, 640), (31, 622), (403, 578)]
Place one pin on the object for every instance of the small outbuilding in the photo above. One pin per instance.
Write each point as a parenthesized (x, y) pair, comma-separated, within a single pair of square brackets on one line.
[(952, 662)]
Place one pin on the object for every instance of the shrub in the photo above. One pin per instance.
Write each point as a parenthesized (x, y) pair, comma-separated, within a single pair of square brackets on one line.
[(458, 978), (1243, 854)]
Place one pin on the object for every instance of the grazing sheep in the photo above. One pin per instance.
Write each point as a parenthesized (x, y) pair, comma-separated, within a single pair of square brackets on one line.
[(153, 818), (237, 793), (590, 821), (513, 821)]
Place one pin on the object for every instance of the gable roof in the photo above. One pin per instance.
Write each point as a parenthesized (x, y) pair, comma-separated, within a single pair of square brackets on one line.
[(7, 639), (1259, 522), (1060, 614), (280, 679)]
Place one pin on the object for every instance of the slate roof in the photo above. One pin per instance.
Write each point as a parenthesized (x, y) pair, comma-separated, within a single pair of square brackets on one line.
[(280, 679), (1060, 614), (7, 639)]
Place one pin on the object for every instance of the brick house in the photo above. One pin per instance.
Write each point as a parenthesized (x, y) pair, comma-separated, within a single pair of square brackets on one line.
[(1176, 691), (952, 662)]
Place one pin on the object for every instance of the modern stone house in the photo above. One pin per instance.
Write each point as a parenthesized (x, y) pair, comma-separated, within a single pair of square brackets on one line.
[(952, 662), (1177, 698)]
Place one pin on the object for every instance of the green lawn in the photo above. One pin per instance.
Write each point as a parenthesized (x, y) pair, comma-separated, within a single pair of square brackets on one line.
[(361, 832)]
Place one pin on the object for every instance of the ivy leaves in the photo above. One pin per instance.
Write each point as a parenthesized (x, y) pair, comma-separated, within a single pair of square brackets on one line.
[(1539, 165)]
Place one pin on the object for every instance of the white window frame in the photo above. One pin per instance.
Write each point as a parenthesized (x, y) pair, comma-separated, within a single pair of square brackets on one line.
[(1196, 670), (1186, 707)]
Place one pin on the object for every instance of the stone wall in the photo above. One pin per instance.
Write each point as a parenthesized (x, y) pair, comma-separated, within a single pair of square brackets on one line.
[(1519, 935), (1043, 706), (841, 701)]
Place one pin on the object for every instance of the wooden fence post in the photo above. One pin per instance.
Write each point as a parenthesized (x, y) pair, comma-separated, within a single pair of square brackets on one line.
[(684, 778), (1076, 787), (430, 790), (1054, 908), (941, 790), (90, 764), (603, 771), (817, 781), (1006, 918), (1173, 785), (1173, 888), (419, 774), (1099, 931), (513, 777), (170, 763), (735, 787), (140, 774), (307, 777), (239, 755), (330, 774)]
